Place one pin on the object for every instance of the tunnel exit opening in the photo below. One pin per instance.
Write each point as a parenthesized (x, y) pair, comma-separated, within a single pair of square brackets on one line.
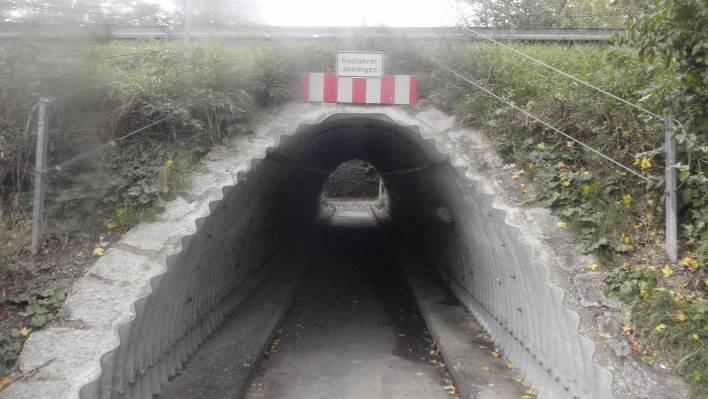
[(354, 194)]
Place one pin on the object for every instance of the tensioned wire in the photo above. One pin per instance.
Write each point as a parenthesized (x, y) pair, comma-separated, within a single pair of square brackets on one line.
[(567, 75), (534, 117), (109, 144)]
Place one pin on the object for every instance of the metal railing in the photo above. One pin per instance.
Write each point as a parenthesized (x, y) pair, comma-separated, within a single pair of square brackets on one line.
[(115, 32)]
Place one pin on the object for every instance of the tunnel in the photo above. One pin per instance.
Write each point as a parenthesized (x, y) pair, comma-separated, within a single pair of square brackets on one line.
[(268, 225)]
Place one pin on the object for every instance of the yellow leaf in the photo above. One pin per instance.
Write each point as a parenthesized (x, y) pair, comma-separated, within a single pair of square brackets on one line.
[(562, 225), (645, 163), (626, 200), (586, 188), (524, 190), (695, 337), (592, 267), (660, 328), (541, 146), (496, 353), (485, 368), (681, 317), (668, 271), (689, 262), (604, 335), (24, 331), (4, 382), (509, 365), (169, 163), (627, 328), (433, 361), (98, 251), (111, 226)]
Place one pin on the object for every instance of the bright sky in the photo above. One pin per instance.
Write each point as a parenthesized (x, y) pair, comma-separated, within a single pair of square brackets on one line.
[(358, 12), (353, 12)]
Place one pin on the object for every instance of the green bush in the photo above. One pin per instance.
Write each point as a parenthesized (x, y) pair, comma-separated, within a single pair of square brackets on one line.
[(615, 215)]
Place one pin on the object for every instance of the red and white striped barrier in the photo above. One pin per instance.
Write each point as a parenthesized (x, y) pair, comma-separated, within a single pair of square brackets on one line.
[(390, 89)]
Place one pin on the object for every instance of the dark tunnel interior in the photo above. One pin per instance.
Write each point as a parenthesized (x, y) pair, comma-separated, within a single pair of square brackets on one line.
[(270, 228)]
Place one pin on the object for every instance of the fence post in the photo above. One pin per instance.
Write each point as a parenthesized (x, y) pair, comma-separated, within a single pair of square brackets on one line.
[(39, 176), (671, 197)]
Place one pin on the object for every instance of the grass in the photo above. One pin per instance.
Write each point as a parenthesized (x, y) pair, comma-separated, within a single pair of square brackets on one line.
[(614, 214)]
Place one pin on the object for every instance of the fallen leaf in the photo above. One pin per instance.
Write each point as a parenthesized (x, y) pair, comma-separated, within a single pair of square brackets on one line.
[(668, 271), (111, 226), (604, 335), (509, 365), (4, 383), (660, 328), (98, 251), (24, 331), (562, 225), (689, 262), (592, 267)]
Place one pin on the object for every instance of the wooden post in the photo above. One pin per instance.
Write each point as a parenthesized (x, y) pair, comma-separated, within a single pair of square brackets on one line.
[(671, 196), (188, 10), (39, 176)]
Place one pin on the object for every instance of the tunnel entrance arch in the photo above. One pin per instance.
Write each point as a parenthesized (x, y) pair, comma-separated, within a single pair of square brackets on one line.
[(183, 282)]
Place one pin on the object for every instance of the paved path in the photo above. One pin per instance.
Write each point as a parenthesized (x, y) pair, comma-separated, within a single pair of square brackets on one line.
[(353, 331)]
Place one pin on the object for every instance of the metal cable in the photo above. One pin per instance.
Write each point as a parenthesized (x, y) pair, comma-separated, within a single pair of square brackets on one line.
[(567, 75), (109, 144), (534, 117)]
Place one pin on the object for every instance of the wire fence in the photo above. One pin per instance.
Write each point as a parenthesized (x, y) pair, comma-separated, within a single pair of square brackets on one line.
[(73, 146), (670, 123)]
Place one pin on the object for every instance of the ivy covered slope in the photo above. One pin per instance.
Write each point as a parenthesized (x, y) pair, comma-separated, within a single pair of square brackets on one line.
[(615, 215)]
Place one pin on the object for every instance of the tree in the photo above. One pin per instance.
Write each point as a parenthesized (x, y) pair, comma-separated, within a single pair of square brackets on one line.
[(83, 12), (674, 34), (549, 13)]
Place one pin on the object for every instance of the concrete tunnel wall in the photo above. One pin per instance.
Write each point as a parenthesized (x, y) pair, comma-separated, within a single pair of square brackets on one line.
[(276, 202), (477, 242)]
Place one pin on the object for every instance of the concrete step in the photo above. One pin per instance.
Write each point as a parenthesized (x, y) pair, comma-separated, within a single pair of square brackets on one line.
[(223, 367), (472, 359)]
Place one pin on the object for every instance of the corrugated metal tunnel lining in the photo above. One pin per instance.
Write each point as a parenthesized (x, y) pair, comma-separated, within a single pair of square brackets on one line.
[(264, 217)]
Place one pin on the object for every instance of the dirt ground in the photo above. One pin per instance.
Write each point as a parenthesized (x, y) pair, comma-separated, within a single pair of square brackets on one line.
[(43, 280)]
